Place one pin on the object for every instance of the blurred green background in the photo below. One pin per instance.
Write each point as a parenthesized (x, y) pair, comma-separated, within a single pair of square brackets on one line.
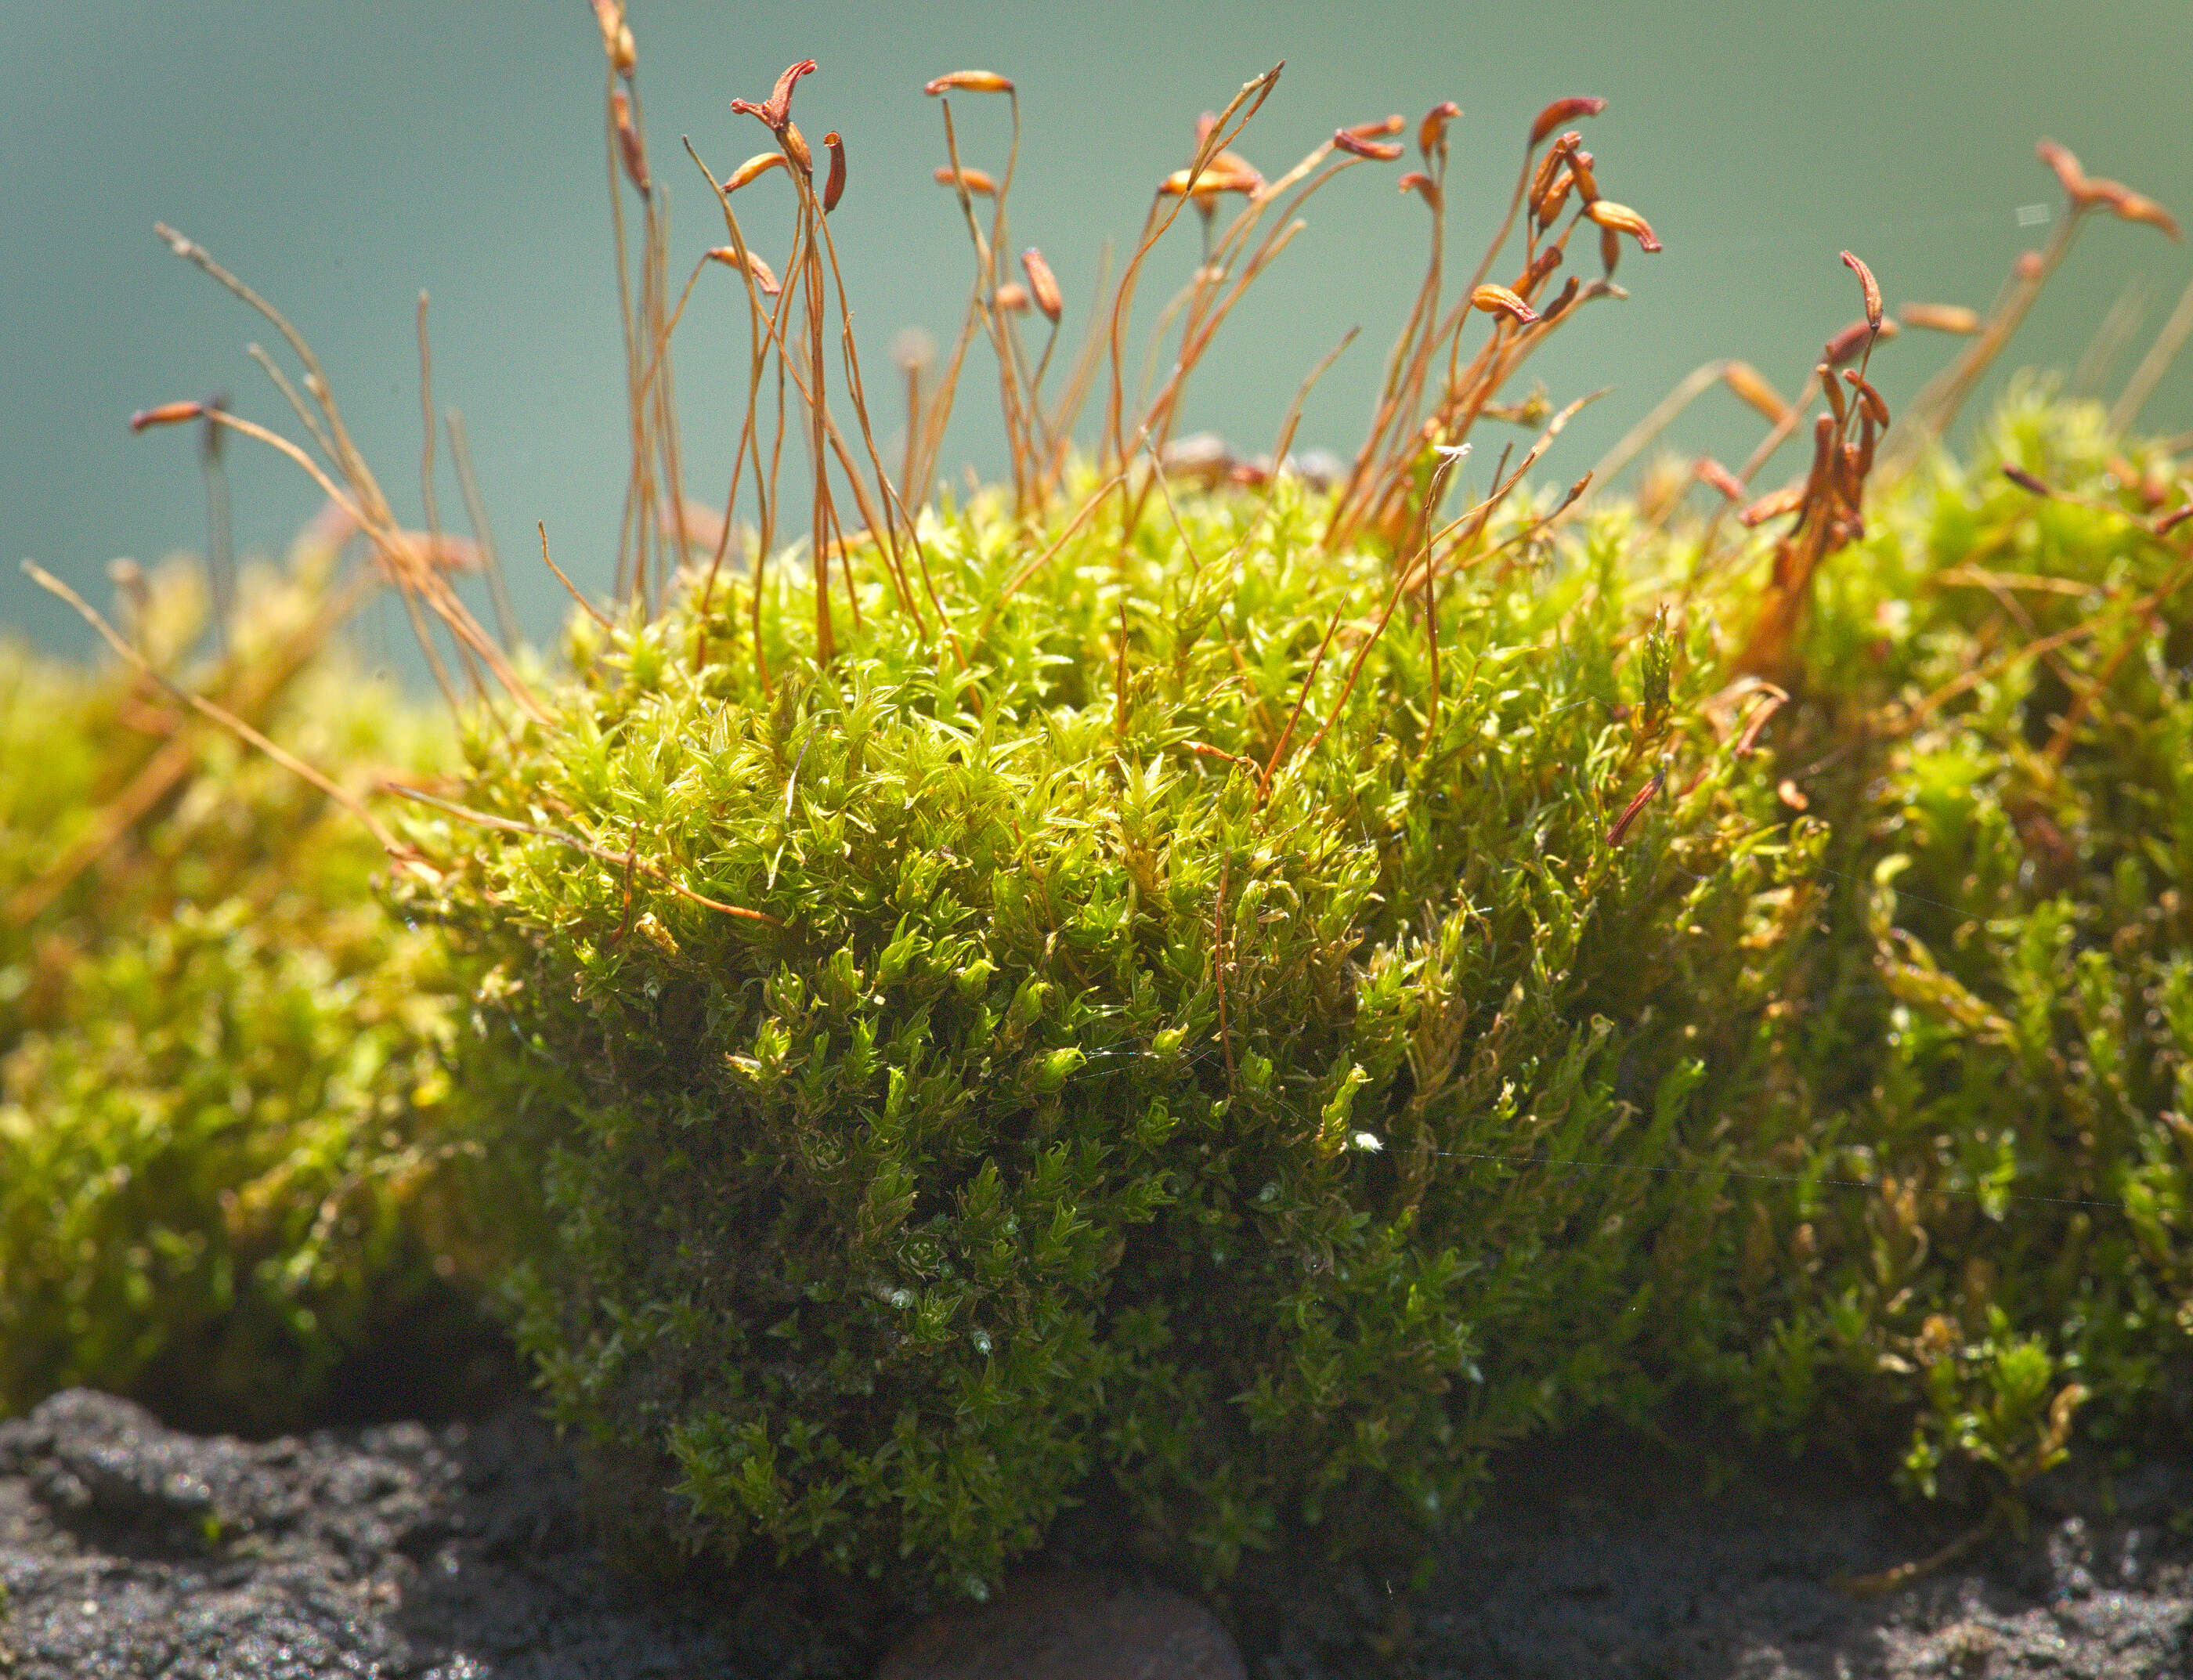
[(341, 156)]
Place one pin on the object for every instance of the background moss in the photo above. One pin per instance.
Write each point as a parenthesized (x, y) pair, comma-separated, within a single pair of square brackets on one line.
[(1988, 1033), (222, 1094)]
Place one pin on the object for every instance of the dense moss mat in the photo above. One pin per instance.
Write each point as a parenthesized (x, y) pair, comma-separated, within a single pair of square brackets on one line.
[(222, 1087), (919, 1094), (1071, 1104)]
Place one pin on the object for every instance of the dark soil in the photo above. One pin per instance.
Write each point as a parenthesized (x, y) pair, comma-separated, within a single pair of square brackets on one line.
[(457, 1552)]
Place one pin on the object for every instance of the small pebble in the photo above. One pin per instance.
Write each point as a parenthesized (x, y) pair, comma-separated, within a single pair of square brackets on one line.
[(1069, 1627)]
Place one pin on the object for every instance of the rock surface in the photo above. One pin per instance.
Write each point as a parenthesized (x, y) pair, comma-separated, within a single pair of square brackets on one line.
[(455, 1553), (1603, 1558), (1069, 1626), (447, 1554)]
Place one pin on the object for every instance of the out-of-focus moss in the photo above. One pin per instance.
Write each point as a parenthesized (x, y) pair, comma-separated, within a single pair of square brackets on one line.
[(1991, 1029), (222, 1087)]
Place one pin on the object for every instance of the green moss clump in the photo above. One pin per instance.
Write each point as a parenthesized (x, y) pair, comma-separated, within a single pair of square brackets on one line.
[(222, 1115), (1067, 1110)]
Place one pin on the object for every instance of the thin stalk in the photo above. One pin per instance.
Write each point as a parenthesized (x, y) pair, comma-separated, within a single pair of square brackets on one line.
[(220, 714), (2153, 365), (1224, 132), (498, 586)]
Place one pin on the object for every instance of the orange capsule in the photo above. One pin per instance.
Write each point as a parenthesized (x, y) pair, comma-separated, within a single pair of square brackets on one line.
[(1014, 296), (1378, 150), (795, 148), (753, 169), (616, 38), (1712, 472), (635, 155), (1379, 129), (1624, 220), (1869, 285), (1552, 164), (765, 277), (969, 80), (1820, 478), (1773, 506), (1549, 203), (1225, 173), (2066, 166), (1832, 391), (976, 181), (1751, 385), (1229, 172), (1564, 111), (1579, 168), (1499, 300), (835, 188), (1534, 274), (1431, 132), (1940, 317), (1876, 405), (1042, 285), (167, 414), (776, 111), (1845, 344), (2131, 206)]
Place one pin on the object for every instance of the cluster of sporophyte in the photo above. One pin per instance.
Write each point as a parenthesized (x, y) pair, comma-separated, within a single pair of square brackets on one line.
[(222, 1086)]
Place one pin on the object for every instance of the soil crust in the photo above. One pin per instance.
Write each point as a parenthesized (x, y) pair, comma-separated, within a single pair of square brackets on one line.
[(456, 1552)]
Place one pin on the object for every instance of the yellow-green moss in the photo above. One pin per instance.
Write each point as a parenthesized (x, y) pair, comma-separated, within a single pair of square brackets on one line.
[(883, 1224)]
